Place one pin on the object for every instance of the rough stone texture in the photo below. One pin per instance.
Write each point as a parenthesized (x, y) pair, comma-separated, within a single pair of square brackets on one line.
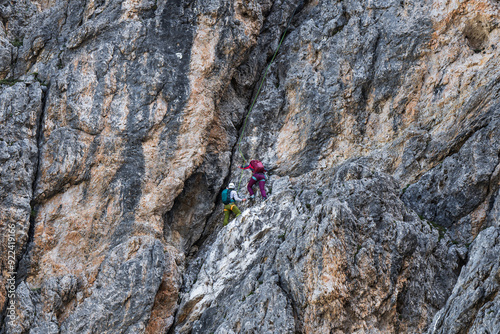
[(388, 82), (5, 53), (130, 117), (124, 291), (339, 255), (120, 300), (20, 109), (405, 86), (450, 192), (474, 305), (165, 305), (373, 114)]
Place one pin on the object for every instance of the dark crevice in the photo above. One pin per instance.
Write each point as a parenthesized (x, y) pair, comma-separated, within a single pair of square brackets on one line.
[(5, 21), (460, 264), (194, 250), (460, 140), (22, 266), (337, 30), (197, 245), (474, 309), (464, 138), (476, 103), (171, 329), (295, 308), (255, 90), (492, 201), (239, 128), (205, 235), (300, 14), (194, 202)]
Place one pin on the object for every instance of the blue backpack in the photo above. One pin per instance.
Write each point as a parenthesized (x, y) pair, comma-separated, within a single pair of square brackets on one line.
[(226, 196)]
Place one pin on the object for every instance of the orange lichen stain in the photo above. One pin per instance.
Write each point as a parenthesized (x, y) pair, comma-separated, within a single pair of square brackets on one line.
[(251, 21), (158, 108), (194, 130), (455, 16), (94, 269), (326, 285), (188, 308), (290, 141), (130, 9), (478, 217), (64, 239), (133, 248), (217, 137), (313, 56), (72, 238), (43, 5)]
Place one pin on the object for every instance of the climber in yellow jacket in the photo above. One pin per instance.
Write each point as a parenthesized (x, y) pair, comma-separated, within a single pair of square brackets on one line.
[(229, 197)]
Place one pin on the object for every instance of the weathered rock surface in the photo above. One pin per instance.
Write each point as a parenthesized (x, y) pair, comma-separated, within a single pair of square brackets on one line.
[(339, 254), (451, 193), (379, 121), (20, 109), (474, 305), (130, 117)]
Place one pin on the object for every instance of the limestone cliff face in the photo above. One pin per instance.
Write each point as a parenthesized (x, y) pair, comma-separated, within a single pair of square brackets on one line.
[(379, 121)]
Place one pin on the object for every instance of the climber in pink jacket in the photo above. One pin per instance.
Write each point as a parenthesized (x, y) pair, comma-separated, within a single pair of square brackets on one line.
[(259, 175)]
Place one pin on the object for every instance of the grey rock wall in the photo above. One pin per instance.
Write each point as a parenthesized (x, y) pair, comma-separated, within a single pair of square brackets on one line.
[(332, 252), (473, 306), (378, 120), (453, 190), (20, 111)]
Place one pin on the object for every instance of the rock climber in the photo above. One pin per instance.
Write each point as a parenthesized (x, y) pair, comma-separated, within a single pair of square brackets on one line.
[(259, 175), (229, 196)]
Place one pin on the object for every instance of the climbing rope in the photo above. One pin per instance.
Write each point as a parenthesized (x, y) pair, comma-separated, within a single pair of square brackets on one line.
[(260, 87), (262, 82)]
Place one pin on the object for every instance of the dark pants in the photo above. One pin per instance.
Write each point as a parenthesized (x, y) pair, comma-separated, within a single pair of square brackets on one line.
[(261, 178)]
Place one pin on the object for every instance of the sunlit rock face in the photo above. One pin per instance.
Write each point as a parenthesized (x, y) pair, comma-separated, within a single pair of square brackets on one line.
[(121, 122)]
